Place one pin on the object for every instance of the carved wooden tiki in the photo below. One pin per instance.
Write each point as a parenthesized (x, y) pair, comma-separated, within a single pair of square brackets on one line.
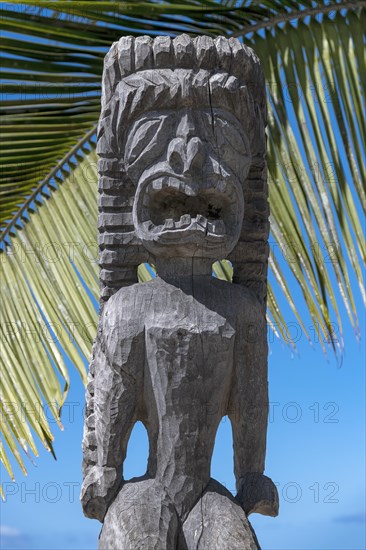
[(182, 183)]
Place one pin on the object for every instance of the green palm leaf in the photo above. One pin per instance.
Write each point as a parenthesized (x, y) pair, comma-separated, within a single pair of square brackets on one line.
[(312, 58)]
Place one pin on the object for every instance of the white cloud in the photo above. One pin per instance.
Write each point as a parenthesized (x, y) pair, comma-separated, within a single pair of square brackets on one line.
[(6, 531)]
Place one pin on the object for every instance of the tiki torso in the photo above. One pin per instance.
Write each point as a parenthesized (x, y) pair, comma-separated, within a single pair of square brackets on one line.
[(189, 337)]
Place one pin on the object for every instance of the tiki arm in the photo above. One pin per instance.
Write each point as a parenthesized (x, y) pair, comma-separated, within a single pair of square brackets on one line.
[(112, 406), (248, 412)]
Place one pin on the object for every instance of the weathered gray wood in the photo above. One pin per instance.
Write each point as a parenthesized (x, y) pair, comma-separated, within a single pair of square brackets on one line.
[(183, 182), (217, 521)]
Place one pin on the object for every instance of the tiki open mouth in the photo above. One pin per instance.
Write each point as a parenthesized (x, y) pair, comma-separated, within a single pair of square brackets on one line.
[(171, 206)]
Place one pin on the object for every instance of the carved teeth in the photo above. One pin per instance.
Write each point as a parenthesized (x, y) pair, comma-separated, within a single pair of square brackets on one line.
[(185, 220), (216, 227), (169, 224), (182, 187), (201, 220), (175, 184), (157, 185), (189, 191), (148, 225)]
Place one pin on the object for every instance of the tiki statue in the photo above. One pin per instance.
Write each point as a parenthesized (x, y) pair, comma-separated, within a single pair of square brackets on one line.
[(182, 183)]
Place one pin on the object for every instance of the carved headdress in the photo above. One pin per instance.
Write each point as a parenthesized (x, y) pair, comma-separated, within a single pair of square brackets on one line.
[(144, 74)]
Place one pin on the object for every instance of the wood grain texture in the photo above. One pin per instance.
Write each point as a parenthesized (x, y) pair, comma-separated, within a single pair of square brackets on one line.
[(183, 182)]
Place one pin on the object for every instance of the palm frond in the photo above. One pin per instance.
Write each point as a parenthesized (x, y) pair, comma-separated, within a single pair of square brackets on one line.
[(317, 158), (48, 315)]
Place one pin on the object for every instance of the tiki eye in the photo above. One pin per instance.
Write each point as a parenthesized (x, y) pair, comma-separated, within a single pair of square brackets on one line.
[(229, 134), (140, 138)]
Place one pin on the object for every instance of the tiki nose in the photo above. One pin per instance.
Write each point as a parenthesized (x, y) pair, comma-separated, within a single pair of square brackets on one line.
[(195, 156), (186, 157), (176, 155), (186, 127)]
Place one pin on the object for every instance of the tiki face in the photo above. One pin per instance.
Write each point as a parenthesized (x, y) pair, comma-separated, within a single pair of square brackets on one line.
[(182, 146), (188, 166)]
